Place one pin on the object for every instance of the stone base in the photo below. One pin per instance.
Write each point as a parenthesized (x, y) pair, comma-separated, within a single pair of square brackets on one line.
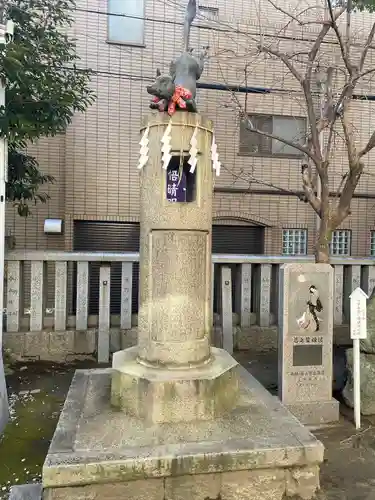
[(316, 412), (161, 395), (259, 451)]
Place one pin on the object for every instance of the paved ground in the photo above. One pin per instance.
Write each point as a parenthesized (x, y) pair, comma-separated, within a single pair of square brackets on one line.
[(37, 392)]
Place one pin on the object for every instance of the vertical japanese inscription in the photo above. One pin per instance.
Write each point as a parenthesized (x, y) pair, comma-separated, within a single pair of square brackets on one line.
[(82, 295), (126, 295), (265, 295), (37, 296), (13, 295)]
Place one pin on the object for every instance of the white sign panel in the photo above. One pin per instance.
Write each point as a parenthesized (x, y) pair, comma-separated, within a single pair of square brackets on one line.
[(358, 314), (358, 330)]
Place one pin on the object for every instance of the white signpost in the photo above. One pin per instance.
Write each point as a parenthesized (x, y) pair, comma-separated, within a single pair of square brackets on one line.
[(358, 331)]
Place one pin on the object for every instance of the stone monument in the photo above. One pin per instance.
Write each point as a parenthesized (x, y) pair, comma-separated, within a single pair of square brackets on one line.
[(176, 418), (305, 342), (173, 374)]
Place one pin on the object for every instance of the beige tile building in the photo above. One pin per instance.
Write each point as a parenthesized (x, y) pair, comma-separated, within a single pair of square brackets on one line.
[(256, 209)]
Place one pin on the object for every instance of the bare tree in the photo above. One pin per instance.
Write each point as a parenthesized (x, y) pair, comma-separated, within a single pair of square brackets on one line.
[(333, 117)]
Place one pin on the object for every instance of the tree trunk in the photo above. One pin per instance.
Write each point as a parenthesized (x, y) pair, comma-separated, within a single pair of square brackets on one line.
[(322, 243)]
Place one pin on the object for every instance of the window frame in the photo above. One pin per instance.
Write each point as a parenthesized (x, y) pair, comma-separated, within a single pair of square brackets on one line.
[(141, 44), (207, 9), (296, 156), (372, 243), (349, 232), (294, 229)]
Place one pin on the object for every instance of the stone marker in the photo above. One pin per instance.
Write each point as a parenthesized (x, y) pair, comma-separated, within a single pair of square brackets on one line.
[(305, 342)]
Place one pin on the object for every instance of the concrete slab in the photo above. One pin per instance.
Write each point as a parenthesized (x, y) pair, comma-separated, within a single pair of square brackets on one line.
[(259, 446), (26, 492)]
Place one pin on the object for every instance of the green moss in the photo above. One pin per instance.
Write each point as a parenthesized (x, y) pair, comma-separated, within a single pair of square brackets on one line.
[(25, 442)]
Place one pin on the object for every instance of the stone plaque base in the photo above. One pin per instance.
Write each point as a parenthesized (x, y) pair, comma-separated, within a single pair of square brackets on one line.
[(316, 412), (257, 451)]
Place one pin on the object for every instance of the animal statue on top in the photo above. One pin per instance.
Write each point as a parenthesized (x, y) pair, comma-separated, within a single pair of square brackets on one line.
[(178, 89)]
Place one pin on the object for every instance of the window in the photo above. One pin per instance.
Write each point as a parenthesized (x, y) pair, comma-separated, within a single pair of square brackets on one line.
[(123, 29), (208, 13), (294, 241), (341, 242), (372, 244), (292, 128)]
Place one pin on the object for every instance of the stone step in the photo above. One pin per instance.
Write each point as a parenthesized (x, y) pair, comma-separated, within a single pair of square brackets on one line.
[(26, 492)]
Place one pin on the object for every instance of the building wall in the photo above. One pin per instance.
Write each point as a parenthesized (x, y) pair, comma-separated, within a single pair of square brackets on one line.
[(94, 163)]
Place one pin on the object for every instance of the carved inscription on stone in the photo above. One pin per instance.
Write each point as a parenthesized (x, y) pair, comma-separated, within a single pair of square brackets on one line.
[(179, 291), (306, 333), (126, 295), (13, 296), (37, 296), (265, 294)]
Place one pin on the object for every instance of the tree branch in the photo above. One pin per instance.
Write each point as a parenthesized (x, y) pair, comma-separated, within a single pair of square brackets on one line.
[(302, 149), (352, 153), (309, 189), (366, 48), (284, 58), (294, 18), (344, 54), (306, 85), (354, 175), (323, 32), (352, 179), (369, 146)]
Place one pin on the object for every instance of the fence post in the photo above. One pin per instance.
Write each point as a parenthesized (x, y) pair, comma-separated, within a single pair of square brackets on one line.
[(339, 293), (265, 295), (61, 276), (126, 295), (13, 295), (226, 316), (82, 295), (104, 313), (37, 294), (244, 289)]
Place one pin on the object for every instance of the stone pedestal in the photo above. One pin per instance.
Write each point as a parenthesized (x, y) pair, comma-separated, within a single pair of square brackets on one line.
[(305, 342), (258, 451), (173, 374), (164, 395)]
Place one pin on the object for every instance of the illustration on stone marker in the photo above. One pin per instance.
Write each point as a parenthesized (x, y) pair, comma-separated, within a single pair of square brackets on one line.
[(178, 88), (309, 321)]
